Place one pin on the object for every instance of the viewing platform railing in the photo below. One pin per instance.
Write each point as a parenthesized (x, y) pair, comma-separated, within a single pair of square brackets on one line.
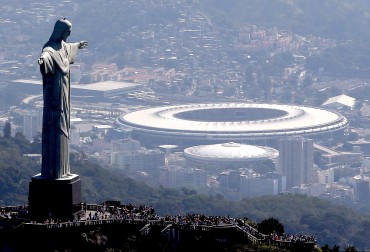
[(144, 221)]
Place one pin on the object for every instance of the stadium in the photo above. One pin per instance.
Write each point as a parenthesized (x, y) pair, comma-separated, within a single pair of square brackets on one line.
[(194, 124), (231, 155)]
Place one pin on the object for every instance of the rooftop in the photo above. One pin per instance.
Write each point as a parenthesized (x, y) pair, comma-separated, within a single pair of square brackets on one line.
[(98, 86), (234, 118), (231, 151), (341, 99)]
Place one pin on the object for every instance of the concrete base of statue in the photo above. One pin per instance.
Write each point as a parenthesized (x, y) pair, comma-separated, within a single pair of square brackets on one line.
[(54, 198)]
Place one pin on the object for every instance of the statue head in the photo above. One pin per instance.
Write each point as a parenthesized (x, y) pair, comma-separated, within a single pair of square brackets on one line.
[(62, 29)]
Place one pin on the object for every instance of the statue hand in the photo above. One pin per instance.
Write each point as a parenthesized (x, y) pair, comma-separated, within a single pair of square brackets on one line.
[(83, 44)]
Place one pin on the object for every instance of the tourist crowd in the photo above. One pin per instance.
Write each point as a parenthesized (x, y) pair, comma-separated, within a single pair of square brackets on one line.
[(92, 213), (293, 238)]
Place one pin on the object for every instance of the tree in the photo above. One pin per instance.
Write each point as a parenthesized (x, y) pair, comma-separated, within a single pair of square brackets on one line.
[(266, 85), (36, 143), (350, 248), (22, 142), (271, 225), (327, 248), (7, 131)]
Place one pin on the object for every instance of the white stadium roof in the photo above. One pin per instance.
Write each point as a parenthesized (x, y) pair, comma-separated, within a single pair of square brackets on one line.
[(275, 120), (104, 88), (230, 151), (340, 100)]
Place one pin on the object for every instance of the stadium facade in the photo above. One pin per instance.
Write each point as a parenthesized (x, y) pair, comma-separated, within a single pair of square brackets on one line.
[(196, 124)]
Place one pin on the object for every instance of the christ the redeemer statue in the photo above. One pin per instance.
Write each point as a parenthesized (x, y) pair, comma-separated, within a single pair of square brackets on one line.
[(55, 60), (55, 192)]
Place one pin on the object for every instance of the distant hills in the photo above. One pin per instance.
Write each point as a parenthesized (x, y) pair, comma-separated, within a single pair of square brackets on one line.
[(105, 24), (115, 29), (342, 20), (102, 22)]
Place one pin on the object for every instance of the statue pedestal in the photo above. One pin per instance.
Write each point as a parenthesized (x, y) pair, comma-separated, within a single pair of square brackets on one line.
[(54, 198)]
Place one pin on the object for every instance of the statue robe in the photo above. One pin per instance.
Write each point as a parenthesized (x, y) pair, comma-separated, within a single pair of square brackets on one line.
[(55, 63)]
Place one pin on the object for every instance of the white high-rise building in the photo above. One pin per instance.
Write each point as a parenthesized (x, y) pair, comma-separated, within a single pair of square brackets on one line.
[(254, 186), (125, 145), (74, 137), (326, 176), (143, 160), (296, 161), (250, 184), (32, 124), (176, 176), (128, 156)]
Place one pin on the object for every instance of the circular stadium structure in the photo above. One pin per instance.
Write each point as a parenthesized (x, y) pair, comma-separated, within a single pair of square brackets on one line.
[(231, 155), (192, 124)]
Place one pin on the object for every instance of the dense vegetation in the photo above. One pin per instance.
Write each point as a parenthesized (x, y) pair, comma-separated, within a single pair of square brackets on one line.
[(331, 224)]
